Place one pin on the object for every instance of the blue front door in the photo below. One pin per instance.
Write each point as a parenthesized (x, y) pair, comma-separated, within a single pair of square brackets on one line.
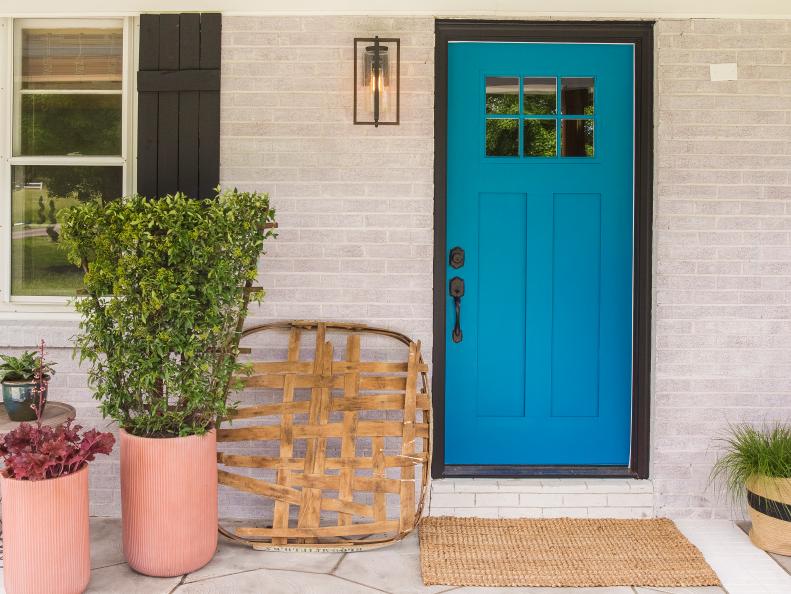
[(539, 199)]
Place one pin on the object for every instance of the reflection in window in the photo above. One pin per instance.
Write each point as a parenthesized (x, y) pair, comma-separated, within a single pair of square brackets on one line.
[(539, 96), (502, 94), (539, 138), (577, 138), (70, 124), (502, 137), (38, 194), (68, 87), (67, 107), (576, 96)]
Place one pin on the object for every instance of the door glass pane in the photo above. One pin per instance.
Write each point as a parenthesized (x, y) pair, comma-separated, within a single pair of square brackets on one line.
[(540, 96), (67, 91), (502, 94), (577, 138), (70, 124), (38, 194), (502, 137), (576, 96), (540, 138)]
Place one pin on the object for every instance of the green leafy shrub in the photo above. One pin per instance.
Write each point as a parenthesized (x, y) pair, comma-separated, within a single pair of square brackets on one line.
[(24, 367), (164, 300), (753, 454)]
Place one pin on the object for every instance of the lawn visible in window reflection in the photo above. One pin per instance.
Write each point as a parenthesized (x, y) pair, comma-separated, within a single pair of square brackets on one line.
[(38, 266), (39, 192)]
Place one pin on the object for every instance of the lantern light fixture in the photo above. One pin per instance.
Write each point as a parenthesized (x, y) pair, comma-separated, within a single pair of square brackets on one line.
[(377, 74)]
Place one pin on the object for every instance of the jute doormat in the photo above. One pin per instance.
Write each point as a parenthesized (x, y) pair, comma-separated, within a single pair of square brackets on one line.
[(560, 552)]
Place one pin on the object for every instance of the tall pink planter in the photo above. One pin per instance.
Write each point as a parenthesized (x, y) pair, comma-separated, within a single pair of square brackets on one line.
[(46, 538), (169, 502)]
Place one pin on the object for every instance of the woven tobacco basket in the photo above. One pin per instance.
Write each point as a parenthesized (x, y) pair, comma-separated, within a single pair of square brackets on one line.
[(340, 445)]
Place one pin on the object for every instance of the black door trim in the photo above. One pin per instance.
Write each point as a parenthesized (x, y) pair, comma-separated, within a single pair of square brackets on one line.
[(639, 33)]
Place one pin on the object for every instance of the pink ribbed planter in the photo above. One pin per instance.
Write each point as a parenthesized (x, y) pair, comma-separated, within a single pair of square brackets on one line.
[(46, 541), (169, 502)]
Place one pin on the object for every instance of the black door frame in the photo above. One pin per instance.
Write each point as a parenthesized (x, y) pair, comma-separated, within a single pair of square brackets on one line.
[(639, 33)]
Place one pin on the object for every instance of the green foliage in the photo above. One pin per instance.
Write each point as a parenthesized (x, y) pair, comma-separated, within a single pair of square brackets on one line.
[(502, 103), (42, 211), (540, 104), (539, 138), (66, 124), (502, 137), (164, 295), (753, 454), (24, 367), (52, 213)]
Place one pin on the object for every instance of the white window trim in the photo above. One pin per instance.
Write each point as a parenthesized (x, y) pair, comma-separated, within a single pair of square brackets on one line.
[(49, 307)]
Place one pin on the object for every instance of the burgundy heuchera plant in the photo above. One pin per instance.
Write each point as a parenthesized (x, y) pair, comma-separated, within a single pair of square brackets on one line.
[(36, 452)]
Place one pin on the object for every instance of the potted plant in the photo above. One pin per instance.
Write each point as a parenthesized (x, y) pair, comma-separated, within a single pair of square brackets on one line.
[(44, 481), (757, 464), (167, 285), (18, 376)]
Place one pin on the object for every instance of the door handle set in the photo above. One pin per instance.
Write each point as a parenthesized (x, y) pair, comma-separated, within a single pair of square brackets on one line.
[(456, 290)]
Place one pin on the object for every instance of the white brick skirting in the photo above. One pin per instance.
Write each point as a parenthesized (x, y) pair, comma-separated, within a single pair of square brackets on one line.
[(542, 498)]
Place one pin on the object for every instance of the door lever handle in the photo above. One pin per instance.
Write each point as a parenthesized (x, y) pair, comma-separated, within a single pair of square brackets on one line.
[(456, 290)]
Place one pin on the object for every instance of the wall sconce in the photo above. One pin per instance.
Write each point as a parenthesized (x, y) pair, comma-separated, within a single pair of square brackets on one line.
[(377, 74)]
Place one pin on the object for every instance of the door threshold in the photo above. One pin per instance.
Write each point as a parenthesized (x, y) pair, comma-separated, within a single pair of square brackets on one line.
[(520, 471)]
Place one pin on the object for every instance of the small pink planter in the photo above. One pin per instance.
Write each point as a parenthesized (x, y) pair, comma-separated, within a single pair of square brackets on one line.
[(169, 502), (46, 540)]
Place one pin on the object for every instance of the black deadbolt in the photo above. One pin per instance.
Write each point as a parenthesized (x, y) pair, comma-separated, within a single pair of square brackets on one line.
[(456, 257)]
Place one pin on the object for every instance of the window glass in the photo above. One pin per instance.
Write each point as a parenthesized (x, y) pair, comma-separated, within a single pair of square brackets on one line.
[(502, 94), (577, 138), (525, 111), (539, 138), (68, 85), (502, 137), (68, 108), (38, 194), (576, 96), (71, 59), (540, 96), (70, 125)]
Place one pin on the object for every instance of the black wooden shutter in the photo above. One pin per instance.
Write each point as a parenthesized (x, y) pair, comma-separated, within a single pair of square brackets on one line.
[(178, 148)]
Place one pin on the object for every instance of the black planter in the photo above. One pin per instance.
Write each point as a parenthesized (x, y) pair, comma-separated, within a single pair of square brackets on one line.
[(18, 398)]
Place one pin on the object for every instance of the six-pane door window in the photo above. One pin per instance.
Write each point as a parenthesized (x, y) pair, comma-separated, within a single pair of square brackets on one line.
[(68, 113), (555, 116)]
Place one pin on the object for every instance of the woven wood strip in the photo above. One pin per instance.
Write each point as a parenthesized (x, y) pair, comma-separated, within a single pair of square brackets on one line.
[(348, 486), (562, 552), (348, 444), (280, 515)]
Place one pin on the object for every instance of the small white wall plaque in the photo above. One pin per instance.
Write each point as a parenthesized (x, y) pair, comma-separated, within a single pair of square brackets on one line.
[(723, 71)]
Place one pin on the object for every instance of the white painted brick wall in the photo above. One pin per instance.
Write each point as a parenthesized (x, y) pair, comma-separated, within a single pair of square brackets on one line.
[(354, 203), (722, 250), (355, 209), (542, 498)]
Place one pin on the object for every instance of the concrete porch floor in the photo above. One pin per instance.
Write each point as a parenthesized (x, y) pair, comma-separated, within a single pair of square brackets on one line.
[(742, 568)]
